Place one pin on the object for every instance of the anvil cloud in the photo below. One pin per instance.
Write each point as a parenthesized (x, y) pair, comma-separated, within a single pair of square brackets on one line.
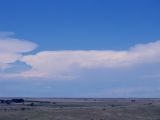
[(64, 64), (57, 64)]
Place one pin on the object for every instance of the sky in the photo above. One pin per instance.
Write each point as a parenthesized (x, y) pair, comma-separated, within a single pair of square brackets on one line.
[(80, 48)]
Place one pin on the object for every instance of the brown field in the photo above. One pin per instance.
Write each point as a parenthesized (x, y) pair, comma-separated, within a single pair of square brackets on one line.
[(81, 109)]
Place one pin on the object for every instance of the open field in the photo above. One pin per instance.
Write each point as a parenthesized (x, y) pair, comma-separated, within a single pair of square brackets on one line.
[(81, 109)]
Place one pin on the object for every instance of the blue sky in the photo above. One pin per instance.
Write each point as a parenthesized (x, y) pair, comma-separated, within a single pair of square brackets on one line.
[(85, 48)]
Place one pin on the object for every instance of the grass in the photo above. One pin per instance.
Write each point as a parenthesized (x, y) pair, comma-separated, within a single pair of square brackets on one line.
[(100, 110)]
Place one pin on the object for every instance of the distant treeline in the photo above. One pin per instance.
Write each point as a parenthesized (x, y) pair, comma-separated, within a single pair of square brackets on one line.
[(12, 101)]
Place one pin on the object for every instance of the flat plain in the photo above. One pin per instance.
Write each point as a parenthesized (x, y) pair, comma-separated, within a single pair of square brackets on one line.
[(81, 109)]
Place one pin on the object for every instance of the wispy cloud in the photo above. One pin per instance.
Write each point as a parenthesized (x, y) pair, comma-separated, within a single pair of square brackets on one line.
[(127, 92), (6, 34)]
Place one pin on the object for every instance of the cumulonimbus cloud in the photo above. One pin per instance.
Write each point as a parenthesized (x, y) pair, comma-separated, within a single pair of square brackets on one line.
[(64, 64), (61, 64)]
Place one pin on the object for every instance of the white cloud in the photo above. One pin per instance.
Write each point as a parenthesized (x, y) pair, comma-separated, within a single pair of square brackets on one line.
[(11, 49), (66, 64), (10, 45), (63, 64)]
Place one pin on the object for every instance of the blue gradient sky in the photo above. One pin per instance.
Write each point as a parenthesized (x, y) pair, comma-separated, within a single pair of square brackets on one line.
[(58, 25), (82, 24)]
